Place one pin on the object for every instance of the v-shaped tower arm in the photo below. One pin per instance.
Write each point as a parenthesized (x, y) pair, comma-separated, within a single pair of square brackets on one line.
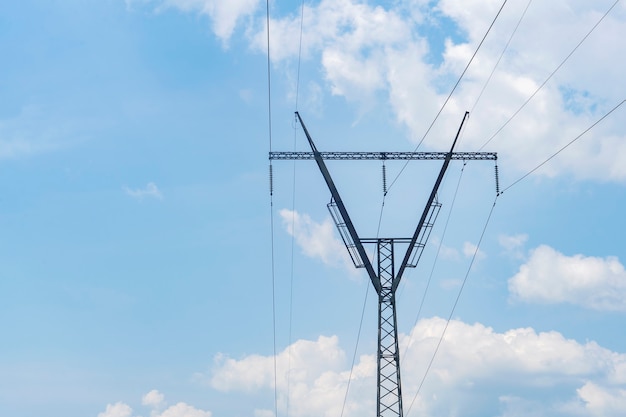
[(431, 199), (342, 209)]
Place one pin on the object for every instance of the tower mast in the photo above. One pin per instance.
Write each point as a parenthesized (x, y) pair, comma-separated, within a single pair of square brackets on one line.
[(384, 278)]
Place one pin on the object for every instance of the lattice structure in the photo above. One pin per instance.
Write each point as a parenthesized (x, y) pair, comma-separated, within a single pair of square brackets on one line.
[(384, 278), (389, 388), (385, 156)]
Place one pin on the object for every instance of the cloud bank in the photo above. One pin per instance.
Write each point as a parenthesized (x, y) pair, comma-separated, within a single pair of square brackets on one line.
[(155, 400), (477, 370), (407, 55)]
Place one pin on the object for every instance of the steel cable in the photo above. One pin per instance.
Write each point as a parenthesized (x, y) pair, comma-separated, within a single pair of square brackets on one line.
[(451, 92), (551, 75)]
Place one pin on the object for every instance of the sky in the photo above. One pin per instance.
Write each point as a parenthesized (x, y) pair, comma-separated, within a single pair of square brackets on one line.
[(145, 270)]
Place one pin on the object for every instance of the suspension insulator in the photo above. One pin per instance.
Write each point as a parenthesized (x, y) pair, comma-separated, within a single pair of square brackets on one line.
[(384, 179), (497, 181), (271, 180)]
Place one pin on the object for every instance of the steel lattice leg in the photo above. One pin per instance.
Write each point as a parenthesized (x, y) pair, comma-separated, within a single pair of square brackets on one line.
[(389, 402)]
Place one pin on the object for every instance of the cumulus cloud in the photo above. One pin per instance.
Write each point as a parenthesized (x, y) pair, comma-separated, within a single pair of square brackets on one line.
[(117, 410), (477, 369), (224, 15), (552, 277), (602, 401), (184, 410), (311, 371), (392, 52), (365, 49), (149, 191), (317, 240), (154, 399)]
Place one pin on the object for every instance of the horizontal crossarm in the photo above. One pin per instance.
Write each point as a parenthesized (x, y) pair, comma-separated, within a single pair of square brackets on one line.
[(386, 156)]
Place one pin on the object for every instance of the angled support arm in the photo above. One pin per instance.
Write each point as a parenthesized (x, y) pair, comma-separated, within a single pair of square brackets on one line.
[(433, 195), (342, 209)]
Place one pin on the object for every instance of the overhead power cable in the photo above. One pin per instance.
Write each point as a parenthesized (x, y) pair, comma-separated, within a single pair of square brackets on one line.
[(456, 301), (476, 251), (299, 52), (551, 74), (432, 270), (451, 93), (501, 55), (358, 337), (564, 147), (293, 220), (269, 117)]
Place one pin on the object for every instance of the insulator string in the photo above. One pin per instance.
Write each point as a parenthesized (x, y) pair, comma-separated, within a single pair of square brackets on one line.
[(497, 181), (384, 179)]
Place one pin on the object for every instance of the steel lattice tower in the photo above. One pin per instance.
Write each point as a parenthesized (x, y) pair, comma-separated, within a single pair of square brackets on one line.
[(384, 278)]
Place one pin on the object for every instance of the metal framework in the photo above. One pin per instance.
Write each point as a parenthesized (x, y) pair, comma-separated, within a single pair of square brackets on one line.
[(384, 278), (385, 156)]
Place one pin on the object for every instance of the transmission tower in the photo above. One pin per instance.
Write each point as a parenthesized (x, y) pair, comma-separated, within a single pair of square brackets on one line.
[(385, 278)]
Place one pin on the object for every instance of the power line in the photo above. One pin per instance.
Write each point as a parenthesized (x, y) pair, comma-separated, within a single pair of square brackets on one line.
[(358, 337), (293, 214), (551, 74), (273, 268), (501, 55), (432, 271), (563, 148), (451, 92), (299, 52), (456, 301)]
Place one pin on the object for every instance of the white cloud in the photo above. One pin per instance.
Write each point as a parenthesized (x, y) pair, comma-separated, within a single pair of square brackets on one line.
[(224, 15), (311, 371), (317, 240), (444, 252), (350, 38), (476, 369), (602, 401), (365, 49), (470, 250), (154, 399), (149, 191), (551, 277), (370, 52), (513, 245), (264, 413), (308, 361), (184, 410), (117, 410)]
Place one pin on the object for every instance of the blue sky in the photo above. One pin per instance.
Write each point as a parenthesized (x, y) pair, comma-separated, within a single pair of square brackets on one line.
[(135, 244)]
